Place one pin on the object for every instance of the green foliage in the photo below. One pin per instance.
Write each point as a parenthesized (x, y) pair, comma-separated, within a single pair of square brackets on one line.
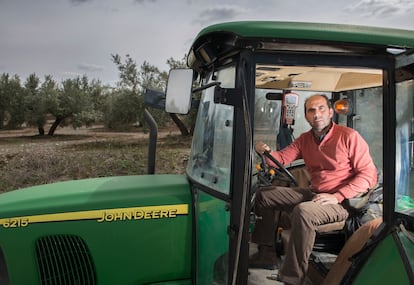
[(125, 106), (173, 63), (78, 101), (122, 109), (11, 102), (75, 103), (97, 94), (35, 107), (128, 72), (151, 77), (72, 98), (49, 96)]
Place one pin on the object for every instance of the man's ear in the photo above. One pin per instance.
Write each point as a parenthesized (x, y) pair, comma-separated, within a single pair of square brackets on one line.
[(331, 112)]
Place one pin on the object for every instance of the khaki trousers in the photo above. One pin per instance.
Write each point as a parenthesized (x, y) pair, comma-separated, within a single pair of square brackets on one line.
[(306, 216)]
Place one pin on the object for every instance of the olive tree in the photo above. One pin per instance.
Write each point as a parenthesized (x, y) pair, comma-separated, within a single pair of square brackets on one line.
[(35, 101), (11, 101), (130, 93), (72, 104)]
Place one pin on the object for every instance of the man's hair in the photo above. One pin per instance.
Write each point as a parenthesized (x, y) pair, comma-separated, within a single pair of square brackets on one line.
[(328, 102)]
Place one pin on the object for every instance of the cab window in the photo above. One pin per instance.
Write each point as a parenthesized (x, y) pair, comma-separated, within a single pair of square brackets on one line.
[(404, 161), (210, 158)]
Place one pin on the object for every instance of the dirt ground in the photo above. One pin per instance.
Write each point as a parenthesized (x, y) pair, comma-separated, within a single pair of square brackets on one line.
[(27, 159)]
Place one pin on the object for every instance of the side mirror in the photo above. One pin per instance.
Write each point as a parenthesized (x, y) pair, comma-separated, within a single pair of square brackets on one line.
[(179, 91)]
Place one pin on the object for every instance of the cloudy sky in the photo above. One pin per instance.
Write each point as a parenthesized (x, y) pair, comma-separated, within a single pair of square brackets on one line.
[(67, 38)]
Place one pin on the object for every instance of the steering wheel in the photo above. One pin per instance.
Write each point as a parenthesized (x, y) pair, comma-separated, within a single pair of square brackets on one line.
[(266, 174), (281, 172)]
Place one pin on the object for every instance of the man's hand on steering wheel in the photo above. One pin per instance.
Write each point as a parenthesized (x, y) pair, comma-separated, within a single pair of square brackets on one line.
[(283, 174), (261, 147)]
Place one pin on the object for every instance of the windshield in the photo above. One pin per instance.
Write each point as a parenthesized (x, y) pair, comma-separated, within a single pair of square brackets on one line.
[(210, 158), (278, 126), (269, 122)]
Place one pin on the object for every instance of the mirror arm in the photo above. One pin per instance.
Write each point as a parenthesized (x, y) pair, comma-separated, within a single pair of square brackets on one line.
[(205, 87)]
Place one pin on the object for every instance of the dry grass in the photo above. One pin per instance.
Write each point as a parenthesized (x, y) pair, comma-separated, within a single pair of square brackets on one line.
[(27, 160)]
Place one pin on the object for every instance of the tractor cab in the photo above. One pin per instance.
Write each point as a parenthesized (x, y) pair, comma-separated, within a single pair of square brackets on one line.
[(252, 79)]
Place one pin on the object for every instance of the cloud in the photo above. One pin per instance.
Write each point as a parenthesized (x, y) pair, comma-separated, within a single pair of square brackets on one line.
[(144, 1), (70, 74), (88, 67), (371, 8), (219, 14), (79, 2)]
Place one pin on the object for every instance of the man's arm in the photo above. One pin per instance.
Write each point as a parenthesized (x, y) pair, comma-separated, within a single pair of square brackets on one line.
[(285, 156), (363, 167)]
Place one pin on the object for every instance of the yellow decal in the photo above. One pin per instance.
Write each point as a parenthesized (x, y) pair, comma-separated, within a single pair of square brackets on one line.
[(105, 215)]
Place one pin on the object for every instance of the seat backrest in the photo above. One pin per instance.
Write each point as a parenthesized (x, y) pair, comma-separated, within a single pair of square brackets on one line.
[(364, 209)]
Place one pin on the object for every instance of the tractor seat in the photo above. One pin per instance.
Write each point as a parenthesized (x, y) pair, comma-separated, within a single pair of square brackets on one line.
[(329, 238), (332, 236), (331, 227)]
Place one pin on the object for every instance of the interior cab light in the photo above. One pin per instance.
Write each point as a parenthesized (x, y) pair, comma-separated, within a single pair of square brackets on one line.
[(342, 107)]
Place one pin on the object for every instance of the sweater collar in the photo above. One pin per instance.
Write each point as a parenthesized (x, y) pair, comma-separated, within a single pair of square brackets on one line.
[(324, 133)]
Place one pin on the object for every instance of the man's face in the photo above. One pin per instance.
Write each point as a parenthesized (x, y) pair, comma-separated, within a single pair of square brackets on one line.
[(318, 113)]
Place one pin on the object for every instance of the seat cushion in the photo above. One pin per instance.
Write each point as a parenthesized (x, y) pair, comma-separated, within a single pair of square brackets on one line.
[(331, 227)]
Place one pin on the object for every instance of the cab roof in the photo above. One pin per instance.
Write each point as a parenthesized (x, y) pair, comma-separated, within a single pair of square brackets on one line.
[(219, 40), (314, 31)]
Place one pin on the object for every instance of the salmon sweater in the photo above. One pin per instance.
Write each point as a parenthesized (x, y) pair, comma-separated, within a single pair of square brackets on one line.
[(340, 164)]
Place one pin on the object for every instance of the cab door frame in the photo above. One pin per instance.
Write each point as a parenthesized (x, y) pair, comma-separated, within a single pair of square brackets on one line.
[(403, 70), (377, 61)]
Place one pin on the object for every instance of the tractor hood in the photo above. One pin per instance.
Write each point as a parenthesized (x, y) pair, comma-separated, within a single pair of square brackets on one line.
[(87, 195), (115, 230)]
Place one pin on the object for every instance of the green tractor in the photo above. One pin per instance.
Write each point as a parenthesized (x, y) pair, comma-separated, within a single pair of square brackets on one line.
[(249, 81)]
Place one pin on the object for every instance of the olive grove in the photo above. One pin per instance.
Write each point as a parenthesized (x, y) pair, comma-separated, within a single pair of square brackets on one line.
[(81, 101)]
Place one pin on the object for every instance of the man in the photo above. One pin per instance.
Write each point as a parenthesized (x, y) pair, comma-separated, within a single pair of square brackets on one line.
[(340, 166)]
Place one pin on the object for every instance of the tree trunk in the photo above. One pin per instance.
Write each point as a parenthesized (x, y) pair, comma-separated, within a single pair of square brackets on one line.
[(41, 130), (54, 126), (181, 126)]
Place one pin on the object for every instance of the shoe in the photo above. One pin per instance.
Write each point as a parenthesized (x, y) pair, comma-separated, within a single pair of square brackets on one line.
[(275, 277), (265, 258)]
